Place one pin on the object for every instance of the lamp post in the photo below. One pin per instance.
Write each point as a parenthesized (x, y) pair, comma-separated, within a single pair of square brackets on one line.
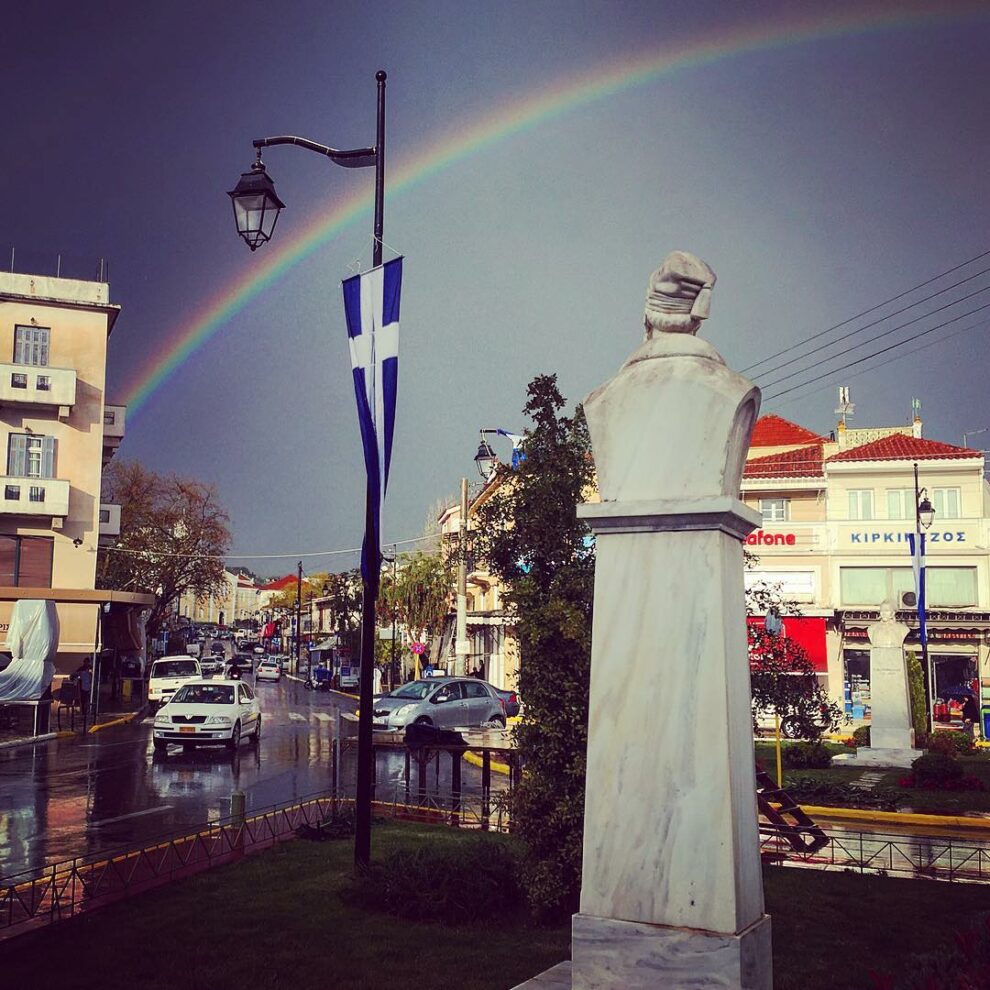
[(256, 210), (924, 515)]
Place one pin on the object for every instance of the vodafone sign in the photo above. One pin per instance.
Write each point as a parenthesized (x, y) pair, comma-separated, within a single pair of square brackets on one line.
[(761, 538)]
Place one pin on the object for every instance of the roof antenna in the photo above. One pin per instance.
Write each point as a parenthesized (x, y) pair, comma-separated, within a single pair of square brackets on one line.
[(846, 408)]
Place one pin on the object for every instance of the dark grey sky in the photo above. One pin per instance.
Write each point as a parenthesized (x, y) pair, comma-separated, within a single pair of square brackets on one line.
[(818, 178)]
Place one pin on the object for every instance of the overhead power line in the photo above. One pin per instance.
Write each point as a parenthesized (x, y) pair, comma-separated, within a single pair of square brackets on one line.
[(865, 312), (886, 333), (883, 350)]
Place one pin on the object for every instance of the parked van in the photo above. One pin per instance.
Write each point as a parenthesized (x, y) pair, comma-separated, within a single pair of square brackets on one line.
[(169, 674)]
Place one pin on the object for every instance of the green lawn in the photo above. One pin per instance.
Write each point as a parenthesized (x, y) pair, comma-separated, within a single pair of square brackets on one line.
[(276, 920)]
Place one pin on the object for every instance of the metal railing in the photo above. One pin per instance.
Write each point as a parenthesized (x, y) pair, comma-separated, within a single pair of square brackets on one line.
[(917, 856)]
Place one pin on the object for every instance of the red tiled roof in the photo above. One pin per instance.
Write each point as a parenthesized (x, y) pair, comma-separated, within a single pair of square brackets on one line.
[(805, 462), (289, 581), (900, 447), (775, 431)]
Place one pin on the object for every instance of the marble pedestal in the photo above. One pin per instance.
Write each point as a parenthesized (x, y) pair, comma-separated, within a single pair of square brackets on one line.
[(672, 892), (872, 756)]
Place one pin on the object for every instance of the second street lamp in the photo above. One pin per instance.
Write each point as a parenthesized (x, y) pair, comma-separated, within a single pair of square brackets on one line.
[(256, 208), (924, 516)]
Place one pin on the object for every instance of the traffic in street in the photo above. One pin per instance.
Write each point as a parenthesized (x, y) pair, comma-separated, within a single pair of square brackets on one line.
[(111, 790)]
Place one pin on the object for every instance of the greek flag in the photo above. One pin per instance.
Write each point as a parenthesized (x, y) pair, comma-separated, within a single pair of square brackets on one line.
[(917, 548), (371, 306)]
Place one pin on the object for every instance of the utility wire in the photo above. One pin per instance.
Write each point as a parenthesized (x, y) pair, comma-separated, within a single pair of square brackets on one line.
[(880, 336), (883, 350), (882, 319), (866, 312)]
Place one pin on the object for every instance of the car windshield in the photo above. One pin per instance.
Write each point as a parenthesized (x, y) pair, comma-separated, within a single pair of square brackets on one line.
[(415, 689), (204, 694), (175, 668)]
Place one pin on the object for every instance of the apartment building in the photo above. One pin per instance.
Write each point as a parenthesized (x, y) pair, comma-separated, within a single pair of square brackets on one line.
[(58, 432), (837, 512)]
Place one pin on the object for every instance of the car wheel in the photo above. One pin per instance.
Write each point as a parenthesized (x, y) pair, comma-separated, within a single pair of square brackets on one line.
[(256, 737), (423, 720), (495, 722), (235, 737), (790, 728)]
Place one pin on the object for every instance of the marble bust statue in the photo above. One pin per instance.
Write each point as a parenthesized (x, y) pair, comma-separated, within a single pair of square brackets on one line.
[(646, 442), (888, 632)]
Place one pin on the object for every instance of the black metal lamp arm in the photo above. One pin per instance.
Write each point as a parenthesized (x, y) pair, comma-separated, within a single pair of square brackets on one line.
[(354, 158)]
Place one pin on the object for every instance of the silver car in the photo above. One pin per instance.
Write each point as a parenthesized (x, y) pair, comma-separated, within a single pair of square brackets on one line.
[(444, 702)]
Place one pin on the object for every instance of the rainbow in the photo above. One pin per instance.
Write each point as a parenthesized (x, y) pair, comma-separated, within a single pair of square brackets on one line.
[(530, 111)]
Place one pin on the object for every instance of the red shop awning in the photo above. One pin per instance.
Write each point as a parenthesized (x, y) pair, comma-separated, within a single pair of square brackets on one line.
[(808, 632)]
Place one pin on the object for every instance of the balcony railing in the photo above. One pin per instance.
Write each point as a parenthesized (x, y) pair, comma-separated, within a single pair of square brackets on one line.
[(34, 497), (109, 522), (38, 387), (114, 418)]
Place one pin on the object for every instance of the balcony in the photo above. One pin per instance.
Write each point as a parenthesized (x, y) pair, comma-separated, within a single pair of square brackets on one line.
[(109, 523), (34, 497), (114, 418), (31, 386)]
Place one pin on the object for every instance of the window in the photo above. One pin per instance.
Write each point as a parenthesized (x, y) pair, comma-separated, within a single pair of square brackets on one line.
[(30, 456), (43, 383), (26, 561), (874, 585), (31, 345), (12, 492), (476, 690), (861, 503), (104, 515), (109, 417), (18, 381), (900, 503), (946, 502), (775, 509), (452, 690), (246, 693), (36, 493), (946, 587)]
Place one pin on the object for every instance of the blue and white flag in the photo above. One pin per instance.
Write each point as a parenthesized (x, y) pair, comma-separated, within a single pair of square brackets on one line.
[(917, 548), (371, 306)]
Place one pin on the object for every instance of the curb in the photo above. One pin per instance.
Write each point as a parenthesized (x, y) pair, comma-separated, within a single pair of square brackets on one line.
[(123, 720), (895, 817), (343, 694), (31, 740), (476, 761)]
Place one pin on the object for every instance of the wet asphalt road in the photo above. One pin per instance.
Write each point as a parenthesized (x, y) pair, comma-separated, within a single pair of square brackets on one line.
[(105, 791)]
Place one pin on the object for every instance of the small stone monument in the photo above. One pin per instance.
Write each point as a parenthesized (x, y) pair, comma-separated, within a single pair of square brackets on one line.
[(891, 731), (672, 893)]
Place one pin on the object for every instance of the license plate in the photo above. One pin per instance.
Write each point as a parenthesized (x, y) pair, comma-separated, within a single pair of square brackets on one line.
[(187, 728)]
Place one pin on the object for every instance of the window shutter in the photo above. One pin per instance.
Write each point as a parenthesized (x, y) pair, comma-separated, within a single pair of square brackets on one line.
[(35, 564), (17, 455), (47, 457)]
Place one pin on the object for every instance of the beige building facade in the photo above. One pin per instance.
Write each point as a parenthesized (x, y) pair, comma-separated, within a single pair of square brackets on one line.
[(58, 431)]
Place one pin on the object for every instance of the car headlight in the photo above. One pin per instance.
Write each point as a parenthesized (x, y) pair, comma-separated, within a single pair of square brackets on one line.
[(162, 719), (218, 720), (404, 710)]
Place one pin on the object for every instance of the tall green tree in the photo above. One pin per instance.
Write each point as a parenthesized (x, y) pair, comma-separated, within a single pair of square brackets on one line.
[(174, 534), (530, 537), (419, 593)]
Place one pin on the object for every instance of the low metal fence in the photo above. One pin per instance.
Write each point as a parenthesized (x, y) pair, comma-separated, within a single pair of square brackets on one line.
[(931, 857)]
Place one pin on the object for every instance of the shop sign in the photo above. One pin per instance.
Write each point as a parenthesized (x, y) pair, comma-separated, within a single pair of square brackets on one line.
[(894, 536), (761, 538)]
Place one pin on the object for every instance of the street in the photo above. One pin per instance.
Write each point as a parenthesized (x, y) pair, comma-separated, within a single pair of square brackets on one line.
[(106, 791)]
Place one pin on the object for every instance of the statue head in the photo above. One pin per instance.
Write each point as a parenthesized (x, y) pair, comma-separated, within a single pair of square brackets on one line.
[(679, 295), (886, 612)]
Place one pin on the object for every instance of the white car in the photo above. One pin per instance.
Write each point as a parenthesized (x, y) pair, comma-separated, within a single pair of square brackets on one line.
[(207, 712), (268, 670), (169, 674)]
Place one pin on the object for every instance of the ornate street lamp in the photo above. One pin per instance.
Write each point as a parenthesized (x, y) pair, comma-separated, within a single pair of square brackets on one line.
[(924, 516), (256, 207), (485, 460)]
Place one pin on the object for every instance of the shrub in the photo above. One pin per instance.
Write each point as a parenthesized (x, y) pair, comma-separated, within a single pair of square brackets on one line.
[(469, 881), (807, 756), (951, 743), (861, 737), (916, 693), (936, 769)]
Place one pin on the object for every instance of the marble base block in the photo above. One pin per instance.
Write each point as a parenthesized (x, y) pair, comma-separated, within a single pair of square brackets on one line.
[(875, 756), (608, 955)]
